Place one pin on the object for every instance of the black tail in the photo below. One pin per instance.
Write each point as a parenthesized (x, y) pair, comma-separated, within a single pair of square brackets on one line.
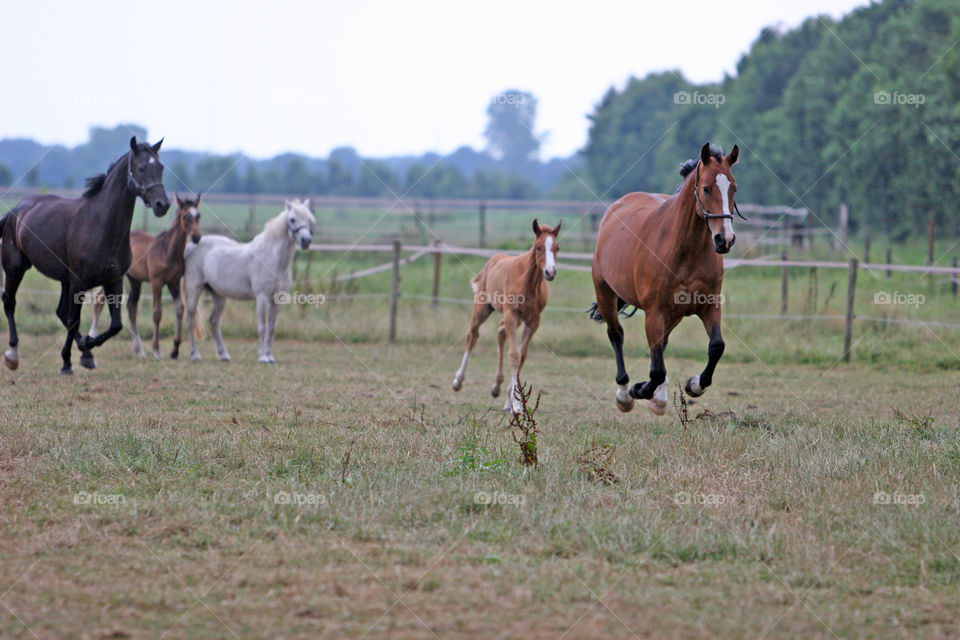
[(594, 311)]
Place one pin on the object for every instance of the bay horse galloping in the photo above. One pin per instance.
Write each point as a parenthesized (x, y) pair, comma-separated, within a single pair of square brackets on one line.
[(516, 287), (82, 242), (158, 259), (662, 254)]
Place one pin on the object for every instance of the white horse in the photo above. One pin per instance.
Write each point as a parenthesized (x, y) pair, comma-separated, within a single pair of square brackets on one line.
[(257, 270)]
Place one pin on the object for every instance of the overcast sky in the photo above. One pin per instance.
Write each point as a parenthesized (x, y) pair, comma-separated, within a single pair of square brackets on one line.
[(385, 77)]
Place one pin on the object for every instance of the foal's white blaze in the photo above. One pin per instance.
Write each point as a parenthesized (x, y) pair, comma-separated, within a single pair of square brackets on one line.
[(194, 213), (551, 259), (723, 183)]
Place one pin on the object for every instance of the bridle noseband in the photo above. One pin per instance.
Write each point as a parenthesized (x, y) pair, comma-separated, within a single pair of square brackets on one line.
[(141, 189), (711, 216), (295, 230)]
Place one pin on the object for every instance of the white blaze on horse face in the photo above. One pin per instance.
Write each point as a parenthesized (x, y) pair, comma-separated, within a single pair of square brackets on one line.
[(194, 213), (723, 183), (551, 267)]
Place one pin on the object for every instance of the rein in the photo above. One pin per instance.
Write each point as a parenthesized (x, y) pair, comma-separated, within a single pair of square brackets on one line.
[(711, 216)]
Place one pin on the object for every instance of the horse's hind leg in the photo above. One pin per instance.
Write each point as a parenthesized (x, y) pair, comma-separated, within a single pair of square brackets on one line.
[(219, 302), (607, 307), (85, 343), (178, 309), (14, 276), (481, 311), (521, 348), (71, 303), (696, 385), (192, 294), (501, 339), (132, 303)]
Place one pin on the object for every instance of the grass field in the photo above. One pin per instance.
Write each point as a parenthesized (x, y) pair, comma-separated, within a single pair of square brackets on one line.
[(348, 492)]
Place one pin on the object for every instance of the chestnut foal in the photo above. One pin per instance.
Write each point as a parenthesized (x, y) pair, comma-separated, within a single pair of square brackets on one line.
[(516, 287), (158, 259)]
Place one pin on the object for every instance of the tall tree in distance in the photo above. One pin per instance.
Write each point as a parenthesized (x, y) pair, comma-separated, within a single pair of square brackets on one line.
[(509, 133)]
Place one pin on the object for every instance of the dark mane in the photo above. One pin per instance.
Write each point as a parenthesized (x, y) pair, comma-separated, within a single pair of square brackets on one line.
[(95, 184), (687, 167)]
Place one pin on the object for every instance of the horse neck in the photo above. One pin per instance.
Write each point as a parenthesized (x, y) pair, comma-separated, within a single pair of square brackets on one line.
[(281, 246), (112, 207), (687, 225), (175, 239), (533, 274)]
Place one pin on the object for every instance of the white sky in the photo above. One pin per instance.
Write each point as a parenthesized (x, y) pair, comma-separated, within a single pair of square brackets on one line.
[(384, 77)]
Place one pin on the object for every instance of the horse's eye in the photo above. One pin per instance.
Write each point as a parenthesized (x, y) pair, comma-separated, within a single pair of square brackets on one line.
[(706, 190), (539, 248)]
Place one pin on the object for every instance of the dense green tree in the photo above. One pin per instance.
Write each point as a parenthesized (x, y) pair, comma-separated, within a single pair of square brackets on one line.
[(510, 131)]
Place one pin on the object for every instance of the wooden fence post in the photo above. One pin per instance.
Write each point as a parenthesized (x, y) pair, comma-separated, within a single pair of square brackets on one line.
[(931, 235), (483, 224), (866, 247), (251, 216), (889, 260), (851, 298), (395, 290), (844, 225), (783, 286), (437, 261), (954, 278)]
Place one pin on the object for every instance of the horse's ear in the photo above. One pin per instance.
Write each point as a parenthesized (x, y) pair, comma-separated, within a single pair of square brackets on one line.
[(556, 229), (198, 197), (705, 154), (133, 144), (733, 156), (536, 227), (156, 147), (306, 203), (176, 197)]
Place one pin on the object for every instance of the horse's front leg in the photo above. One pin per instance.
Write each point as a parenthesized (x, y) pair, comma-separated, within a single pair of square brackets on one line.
[(272, 312), (501, 340), (132, 303), (481, 311), (263, 326), (71, 303), (654, 390), (696, 385), (85, 343), (156, 286), (511, 323), (607, 308)]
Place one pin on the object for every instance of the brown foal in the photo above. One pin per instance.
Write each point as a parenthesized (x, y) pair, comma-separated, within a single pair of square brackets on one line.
[(662, 254), (516, 287), (158, 259)]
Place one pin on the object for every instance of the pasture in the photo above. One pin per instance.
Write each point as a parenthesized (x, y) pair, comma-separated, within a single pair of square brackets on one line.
[(348, 492)]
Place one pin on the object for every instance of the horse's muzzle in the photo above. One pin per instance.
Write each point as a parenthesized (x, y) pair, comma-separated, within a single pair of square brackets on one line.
[(195, 238), (305, 243), (550, 275), (721, 245), (160, 207)]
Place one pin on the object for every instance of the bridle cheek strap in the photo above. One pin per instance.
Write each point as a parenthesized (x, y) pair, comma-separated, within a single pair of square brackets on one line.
[(703, 210)]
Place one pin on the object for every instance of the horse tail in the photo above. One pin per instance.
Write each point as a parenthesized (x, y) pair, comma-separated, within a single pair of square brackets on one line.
[(477, 281), (594, 313), (3, 222), (594, 310)]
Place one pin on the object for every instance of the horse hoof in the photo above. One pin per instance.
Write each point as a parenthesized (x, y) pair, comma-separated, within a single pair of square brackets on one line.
[(174, 354), (658, 408), (12, 363), (195, 358), (457, 384), (66, 371), (87, 361), (624, 401), (495, 390), (156, 354), (641, 391), (693, 388), (224, 358)]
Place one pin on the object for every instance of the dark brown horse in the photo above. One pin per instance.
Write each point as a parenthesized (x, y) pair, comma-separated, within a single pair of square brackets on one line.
[(661, 254), (516, 287), (158, 259), (82, 242)]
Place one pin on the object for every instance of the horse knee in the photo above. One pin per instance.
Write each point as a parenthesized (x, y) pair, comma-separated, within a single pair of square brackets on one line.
[(715, 350)]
